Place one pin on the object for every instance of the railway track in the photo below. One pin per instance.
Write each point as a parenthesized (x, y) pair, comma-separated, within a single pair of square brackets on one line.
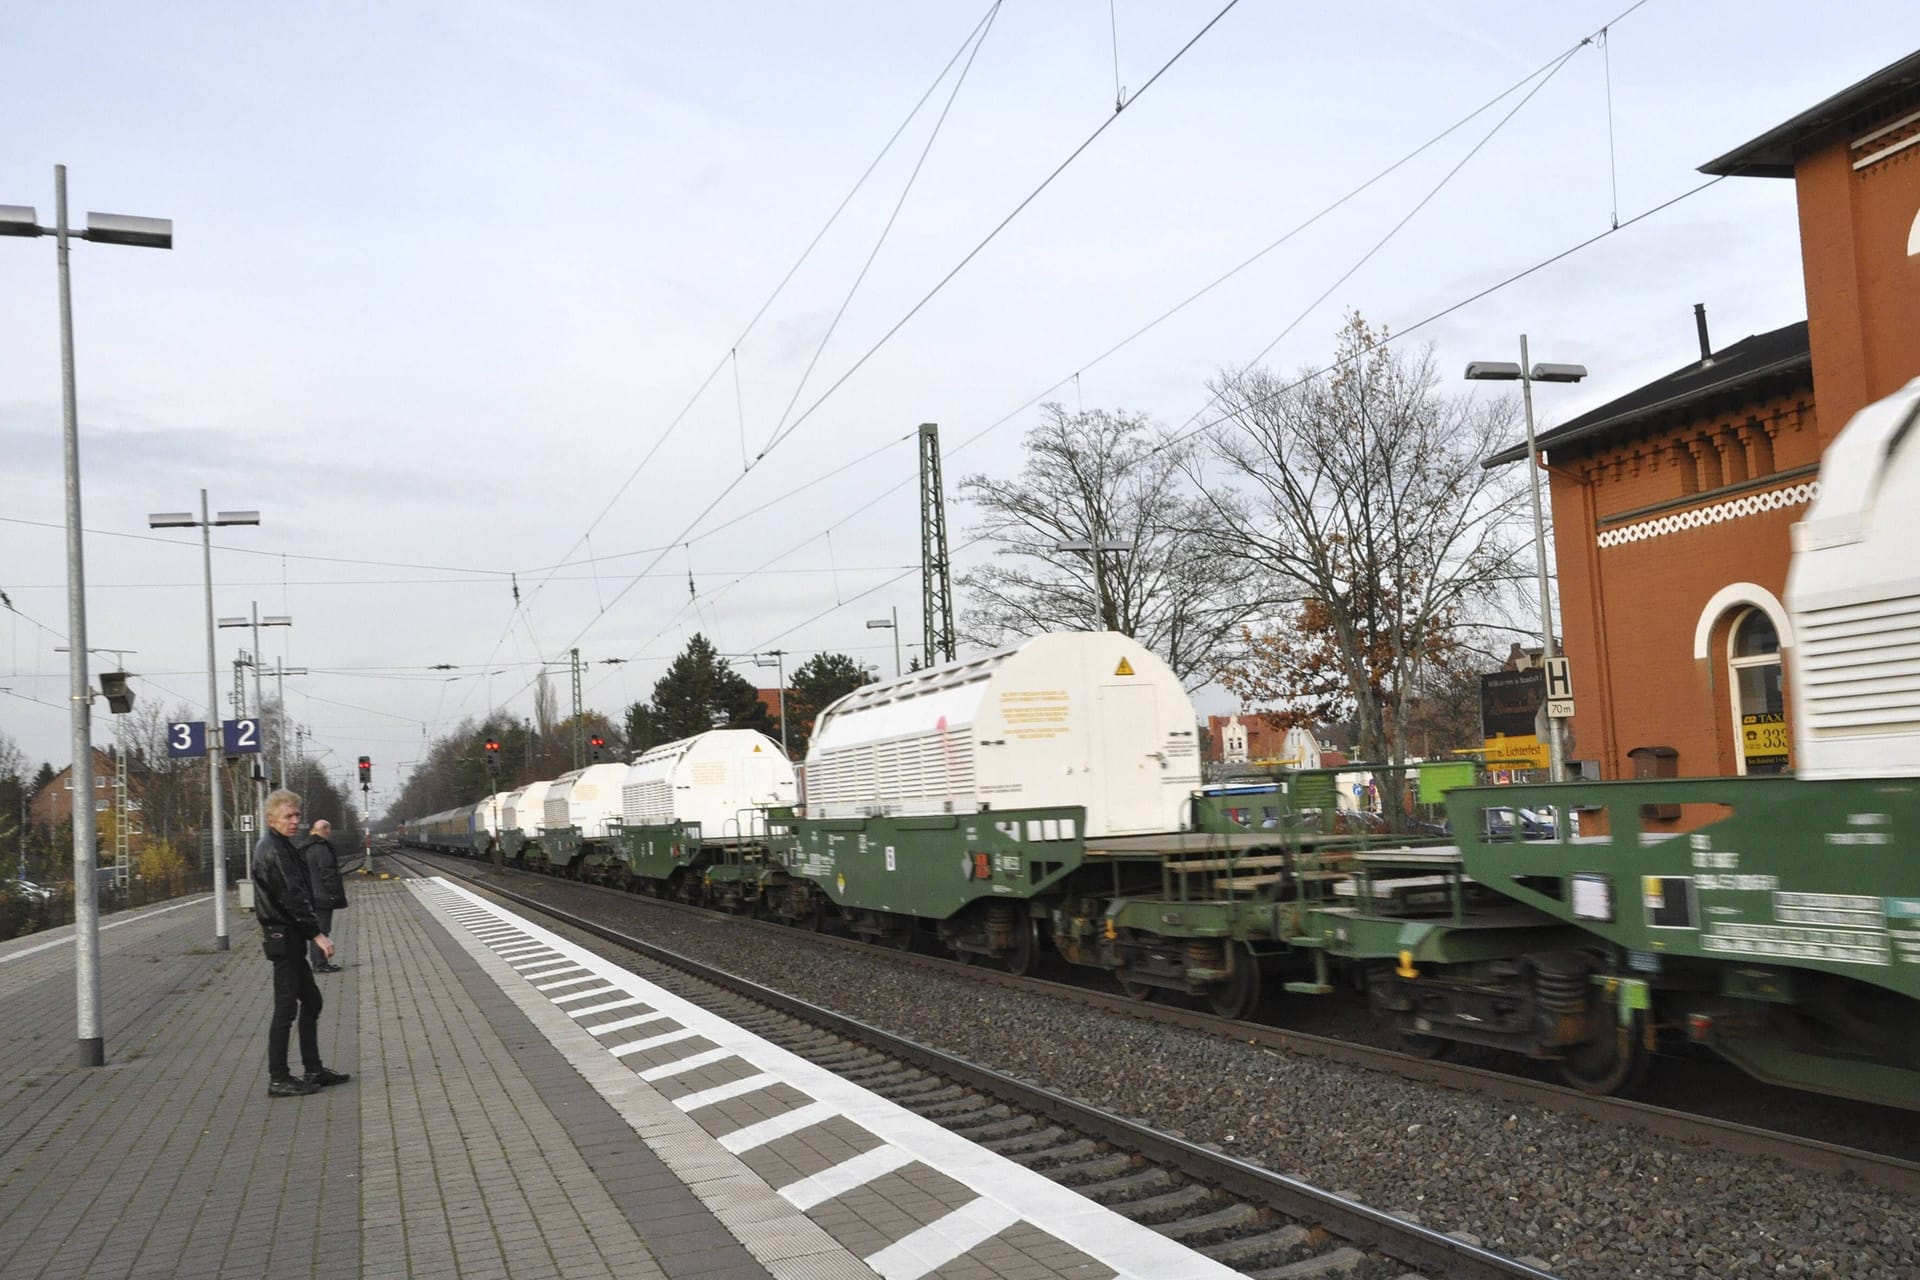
[(1263, 1224), (1793, 1150)]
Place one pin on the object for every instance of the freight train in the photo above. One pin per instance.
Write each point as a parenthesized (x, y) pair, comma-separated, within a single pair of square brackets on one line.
[(1048, 799)]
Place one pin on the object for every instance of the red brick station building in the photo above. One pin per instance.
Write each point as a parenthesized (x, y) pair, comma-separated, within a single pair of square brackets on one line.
[(1672, 505)]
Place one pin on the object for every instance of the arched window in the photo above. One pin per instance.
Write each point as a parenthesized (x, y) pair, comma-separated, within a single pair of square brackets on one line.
[(1759, 706)]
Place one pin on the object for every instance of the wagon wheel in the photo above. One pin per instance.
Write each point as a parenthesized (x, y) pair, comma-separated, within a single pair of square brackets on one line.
[(1240, 992), (959, 954), (1419, 1046), (903, 937), (1610, 1063), (1138, 992), (1024, 955)]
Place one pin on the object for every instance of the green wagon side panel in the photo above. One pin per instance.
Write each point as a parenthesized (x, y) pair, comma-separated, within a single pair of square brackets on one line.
[(933, 866), (656, 852), (1778, 871)]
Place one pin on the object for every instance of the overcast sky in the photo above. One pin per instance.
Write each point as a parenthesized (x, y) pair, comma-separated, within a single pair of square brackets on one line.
[(446, 276)]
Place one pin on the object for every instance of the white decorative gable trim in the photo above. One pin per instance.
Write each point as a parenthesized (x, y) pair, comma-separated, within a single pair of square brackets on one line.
[(1751, 504)]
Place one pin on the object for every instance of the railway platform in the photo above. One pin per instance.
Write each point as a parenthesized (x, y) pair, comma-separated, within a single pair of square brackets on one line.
[(518, 1107)]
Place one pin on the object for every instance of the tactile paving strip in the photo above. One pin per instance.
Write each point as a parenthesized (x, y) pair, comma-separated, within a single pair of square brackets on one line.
[(763, 1136)]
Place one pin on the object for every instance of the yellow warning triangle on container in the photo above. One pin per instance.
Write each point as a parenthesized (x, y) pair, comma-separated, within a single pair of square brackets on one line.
[(756, 748), (1124, 669)]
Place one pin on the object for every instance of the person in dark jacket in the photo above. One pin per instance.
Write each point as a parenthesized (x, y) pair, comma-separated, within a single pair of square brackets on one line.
[(284, 904), (323, 878)]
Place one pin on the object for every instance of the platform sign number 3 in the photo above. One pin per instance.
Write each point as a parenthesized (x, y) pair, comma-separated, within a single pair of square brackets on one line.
[(186, 738), (890, 865)]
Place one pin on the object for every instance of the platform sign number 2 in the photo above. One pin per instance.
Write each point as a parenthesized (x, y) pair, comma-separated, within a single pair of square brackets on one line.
[(240, 737)]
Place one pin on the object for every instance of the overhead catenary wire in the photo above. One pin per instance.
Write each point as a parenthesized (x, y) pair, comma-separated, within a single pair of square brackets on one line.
[(916, 308), (793, 270), (886, 229)]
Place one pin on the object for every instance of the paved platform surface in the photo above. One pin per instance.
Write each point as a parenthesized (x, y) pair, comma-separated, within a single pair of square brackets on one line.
[(519, 1107)]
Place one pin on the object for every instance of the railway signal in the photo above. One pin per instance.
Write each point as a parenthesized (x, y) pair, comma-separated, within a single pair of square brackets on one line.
[(366, 772), (596, 749), (493, 757)]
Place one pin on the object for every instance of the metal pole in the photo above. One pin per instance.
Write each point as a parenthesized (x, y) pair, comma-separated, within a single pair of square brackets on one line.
[(216, 740), (260, 713), (896, 642), (86, 904), (1554, 750)]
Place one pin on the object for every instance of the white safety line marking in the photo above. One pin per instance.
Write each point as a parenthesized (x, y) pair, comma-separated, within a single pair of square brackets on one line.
[(621, 1024), (557, 983), (845, 1176), (721, 1092), (520, 953), (588, 994), (941, 1241), (623, 1003), (653, 1042), (773, 1128), (530, 969), (667, 1070), (67, 930)]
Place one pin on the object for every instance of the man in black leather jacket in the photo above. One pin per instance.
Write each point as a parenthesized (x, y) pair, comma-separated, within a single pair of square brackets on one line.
[(323, 878), (284, 905)]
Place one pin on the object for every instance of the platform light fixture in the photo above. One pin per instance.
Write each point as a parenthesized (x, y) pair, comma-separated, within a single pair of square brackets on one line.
[(102, 228), (890, 624), (1526, 375)]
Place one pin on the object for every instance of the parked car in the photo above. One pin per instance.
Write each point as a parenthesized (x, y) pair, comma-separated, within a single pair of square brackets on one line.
[(1499, 823), (28, 889)]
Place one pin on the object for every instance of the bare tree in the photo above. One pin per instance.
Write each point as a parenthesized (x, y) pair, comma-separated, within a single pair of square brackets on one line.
[(1365, 502), (1098, 478)]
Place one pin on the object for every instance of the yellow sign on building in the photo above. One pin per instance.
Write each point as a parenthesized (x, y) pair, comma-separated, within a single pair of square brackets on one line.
[(1516, 752)]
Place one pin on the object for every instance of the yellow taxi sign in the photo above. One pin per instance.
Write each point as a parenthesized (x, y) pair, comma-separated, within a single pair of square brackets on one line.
[(1124, 669)]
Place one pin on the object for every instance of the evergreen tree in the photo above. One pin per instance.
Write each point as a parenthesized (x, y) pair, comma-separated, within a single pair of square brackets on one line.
[(698, 692), (819, 682)]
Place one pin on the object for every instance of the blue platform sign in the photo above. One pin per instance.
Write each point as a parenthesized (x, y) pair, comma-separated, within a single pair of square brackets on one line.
[(240, 737), (188, 738)]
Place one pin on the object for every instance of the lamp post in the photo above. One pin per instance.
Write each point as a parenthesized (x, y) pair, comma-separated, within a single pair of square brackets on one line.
[(257, 622), (1104, 615), (779, 657), (102, 228), (890, 624), (216, 741), (1526, 375)]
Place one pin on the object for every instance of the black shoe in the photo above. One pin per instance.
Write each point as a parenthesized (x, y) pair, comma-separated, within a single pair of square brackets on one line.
[(326, 968), (323, 1077), (291, 1087)]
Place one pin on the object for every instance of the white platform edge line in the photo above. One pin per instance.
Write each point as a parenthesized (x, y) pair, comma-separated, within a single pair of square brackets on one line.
[(625, 1002), (722, 1092), (942, 1240), (621, 1024), (680, 1066), (849, 1174)]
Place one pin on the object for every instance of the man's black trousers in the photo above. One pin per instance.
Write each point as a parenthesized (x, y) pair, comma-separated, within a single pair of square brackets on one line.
[(314, 957), (295, 994)]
